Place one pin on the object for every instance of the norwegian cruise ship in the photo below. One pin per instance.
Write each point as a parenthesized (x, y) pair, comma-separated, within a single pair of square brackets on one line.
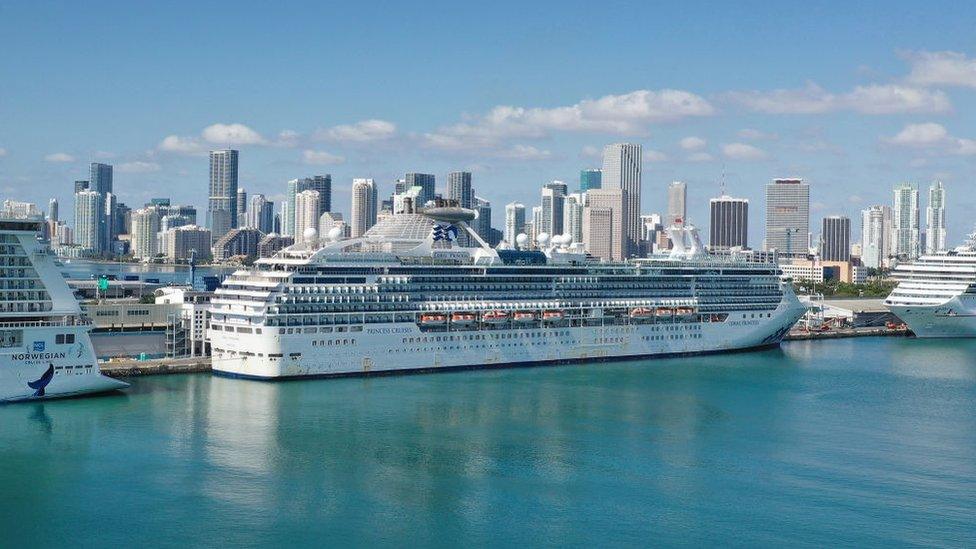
[(407, 296), (936, 294), (45, 351)]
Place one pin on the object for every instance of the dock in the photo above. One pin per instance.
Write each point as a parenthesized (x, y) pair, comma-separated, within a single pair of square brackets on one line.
[(162, 366), (839, 333)]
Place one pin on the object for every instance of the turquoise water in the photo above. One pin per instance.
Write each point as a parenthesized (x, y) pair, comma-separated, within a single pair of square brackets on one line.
[(868, 442)]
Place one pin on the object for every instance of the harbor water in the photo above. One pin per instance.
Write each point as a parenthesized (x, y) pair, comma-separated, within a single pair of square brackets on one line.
[(860, 442)]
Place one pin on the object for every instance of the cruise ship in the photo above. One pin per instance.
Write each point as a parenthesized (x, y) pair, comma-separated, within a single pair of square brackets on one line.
[(45, 351), (936, 294), (421, 291)]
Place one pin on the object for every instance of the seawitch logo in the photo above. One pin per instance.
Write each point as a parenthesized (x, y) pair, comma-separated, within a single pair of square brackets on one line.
[(42, 382)]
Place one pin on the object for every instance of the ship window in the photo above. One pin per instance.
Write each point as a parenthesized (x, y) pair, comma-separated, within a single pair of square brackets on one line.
[(69, 338), (59, 339)]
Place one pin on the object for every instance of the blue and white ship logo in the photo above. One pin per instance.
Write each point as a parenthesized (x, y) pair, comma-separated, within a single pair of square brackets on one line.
[(38, 346), (444, 232)]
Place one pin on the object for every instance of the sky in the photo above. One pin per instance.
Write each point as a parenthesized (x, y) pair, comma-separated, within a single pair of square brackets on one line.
[(854, 97)]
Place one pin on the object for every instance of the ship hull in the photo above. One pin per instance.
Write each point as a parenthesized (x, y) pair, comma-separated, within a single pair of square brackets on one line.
[(956, 318), (405, 347)]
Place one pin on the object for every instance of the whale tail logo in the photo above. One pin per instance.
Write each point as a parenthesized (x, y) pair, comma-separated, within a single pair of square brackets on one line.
[(42, 381)]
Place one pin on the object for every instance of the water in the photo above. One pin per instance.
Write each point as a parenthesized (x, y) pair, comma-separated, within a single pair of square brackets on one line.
[(868, 442)]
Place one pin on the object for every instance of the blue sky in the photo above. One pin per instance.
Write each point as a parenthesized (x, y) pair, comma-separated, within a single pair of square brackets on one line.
[(854, 98)]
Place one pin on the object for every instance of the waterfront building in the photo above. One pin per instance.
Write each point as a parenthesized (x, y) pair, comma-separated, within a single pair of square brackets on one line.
[(935, 220), (459, 188), (363, 206), (788, 217), (188, 336), (306, 213), (876, 233), (52, 210), (222, 203), (604, 233), (426, 182), (729, 227), (89, 206), (590, 179), (145, 228), (273, 243), (260, 214), (179, 243), (622, 170), (320, 183), (677, 203), (835, 238), (514, 221), (553, 202), (905, 238), (240, 242), (573, 216)]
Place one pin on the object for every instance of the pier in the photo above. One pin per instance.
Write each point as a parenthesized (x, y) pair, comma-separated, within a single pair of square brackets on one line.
[(133, 367)]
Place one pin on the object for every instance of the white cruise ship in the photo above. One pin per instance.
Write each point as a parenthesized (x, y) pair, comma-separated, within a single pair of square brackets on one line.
[(405, 297), (45, 351), (936, 294)]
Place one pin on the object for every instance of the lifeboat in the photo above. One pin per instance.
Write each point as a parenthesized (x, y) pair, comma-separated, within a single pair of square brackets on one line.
[(495, 317), (641, 312), (433, 319), (523, 317), (552, 315), (684, 311), (463, 319), (664, 311)]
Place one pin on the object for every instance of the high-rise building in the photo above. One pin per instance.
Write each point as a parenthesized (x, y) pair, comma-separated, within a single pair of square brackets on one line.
[(573, 216), (240, 242), (260, 214), (52, 210), (306, 213), (241, 207), (222, 204), (273, 243), (589, 179), (876, 233), (363, 206), (729, 226), (89, 206), (459, 188), (835, 238), (935, 221), (905, 223), (81, 186), (100, 178), (553, 201), (482, 223), (514, 221), (622, 170), (320, 183), (180, 243), (604, 233), (787, 216), (145, 228), (677, 203), (332, 220), (426, 183), (652, 230)]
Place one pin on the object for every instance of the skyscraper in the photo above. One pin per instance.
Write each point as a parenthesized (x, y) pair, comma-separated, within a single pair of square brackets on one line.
[(52, 209), (935, 221), (363, 206), (222, 205), (876, 233), (622, 170), (88, 213), (260, 214), (81, 186), (573, 216), (835, 238), (787, 216), (590, 179), (100, 178), (426, 182), (145, 228), (604, 233), (553, 201), (320, 183), (306, 213), (241, 207), (459, 188), (482, 224), (905, 222), (729, 226), (514, 221), (677, 203)]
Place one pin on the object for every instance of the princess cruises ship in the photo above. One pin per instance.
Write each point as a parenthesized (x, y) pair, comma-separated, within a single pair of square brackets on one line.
[(409, 296), (936, 294), (45, 350)]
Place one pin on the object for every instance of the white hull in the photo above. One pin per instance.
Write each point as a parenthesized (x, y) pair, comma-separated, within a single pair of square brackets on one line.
[(954, 318), (396, 347), (74, 369)]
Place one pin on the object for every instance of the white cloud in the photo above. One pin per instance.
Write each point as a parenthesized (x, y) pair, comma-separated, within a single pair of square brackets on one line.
[(651, 155), (627, 114), (231, 135), (59, 157), (872, 99), (932, 137), (138, 166), (361, 132), (288, 138), (523, 152), (589, 151), (692, 143), (182, 145), (743, 151), (699, 157), (755, 135), (941, 68), (321, 157)]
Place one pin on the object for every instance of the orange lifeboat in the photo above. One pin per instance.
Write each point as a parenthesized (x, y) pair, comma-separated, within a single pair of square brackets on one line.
[(641, 312), (495, 317), (433, 319), (684, 311), (552, 315), (463, 319), (523, 317), (664, 311)]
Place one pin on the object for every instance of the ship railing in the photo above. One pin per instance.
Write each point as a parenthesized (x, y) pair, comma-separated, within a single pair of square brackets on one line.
[(72, 321)]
